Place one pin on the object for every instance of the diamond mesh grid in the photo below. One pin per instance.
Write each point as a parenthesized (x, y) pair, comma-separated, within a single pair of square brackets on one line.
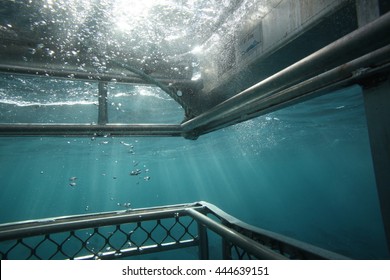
[(106, 242)]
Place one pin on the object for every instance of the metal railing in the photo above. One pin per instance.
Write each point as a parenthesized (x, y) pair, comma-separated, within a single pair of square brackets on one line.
[(132, 233)]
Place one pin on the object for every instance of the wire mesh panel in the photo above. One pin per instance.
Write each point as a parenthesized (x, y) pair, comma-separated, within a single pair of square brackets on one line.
[(240, 254), (173, 231)]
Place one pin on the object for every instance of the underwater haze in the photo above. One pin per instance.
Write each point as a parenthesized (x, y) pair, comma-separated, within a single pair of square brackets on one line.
[(304, 171)]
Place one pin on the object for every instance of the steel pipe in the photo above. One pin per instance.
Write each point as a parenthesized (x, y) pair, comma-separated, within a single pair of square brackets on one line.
[(87, 76), (22, 129)]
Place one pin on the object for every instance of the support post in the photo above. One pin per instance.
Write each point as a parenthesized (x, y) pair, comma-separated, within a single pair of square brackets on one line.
[(203, 242), (377, 105), (226, 248), (103, 115)]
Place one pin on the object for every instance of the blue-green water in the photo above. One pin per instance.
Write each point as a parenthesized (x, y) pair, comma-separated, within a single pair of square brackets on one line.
[(304, 171)]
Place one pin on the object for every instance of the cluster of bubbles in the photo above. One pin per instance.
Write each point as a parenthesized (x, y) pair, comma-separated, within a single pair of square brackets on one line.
[(72, 181), (138, 170), (126, 205)]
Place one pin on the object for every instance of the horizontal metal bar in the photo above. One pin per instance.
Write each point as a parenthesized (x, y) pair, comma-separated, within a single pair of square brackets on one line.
[(142, 250), (88, 76), (358, 43), (37, 227), (242, 241), (47, 129)]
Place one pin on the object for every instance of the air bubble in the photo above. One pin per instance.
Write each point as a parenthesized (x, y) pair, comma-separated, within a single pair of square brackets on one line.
[(50, 52), (32, 51), (147, 178)]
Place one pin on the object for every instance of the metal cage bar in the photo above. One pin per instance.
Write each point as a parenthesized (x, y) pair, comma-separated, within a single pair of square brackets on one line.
[(103, 108), (67, 129), (88, 76)]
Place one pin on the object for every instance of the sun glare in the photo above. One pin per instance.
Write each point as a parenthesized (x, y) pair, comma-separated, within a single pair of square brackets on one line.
[(128, 14)]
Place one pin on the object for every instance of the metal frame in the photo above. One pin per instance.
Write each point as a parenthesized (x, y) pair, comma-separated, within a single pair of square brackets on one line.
[(135, 232), (351, 59), (361, 57)]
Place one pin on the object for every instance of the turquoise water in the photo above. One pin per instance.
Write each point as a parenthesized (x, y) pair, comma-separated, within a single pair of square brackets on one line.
[(303, 171)]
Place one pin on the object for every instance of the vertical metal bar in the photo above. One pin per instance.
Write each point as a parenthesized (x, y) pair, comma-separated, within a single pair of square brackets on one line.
[(203, 242), (103, 115), (377, 105), (226, 248)]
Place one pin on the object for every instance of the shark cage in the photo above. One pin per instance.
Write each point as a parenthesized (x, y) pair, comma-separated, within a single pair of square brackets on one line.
[(248, 59)]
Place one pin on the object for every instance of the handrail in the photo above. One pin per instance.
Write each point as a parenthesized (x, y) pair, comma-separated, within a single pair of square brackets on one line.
[(8, 230), (54, 225)]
